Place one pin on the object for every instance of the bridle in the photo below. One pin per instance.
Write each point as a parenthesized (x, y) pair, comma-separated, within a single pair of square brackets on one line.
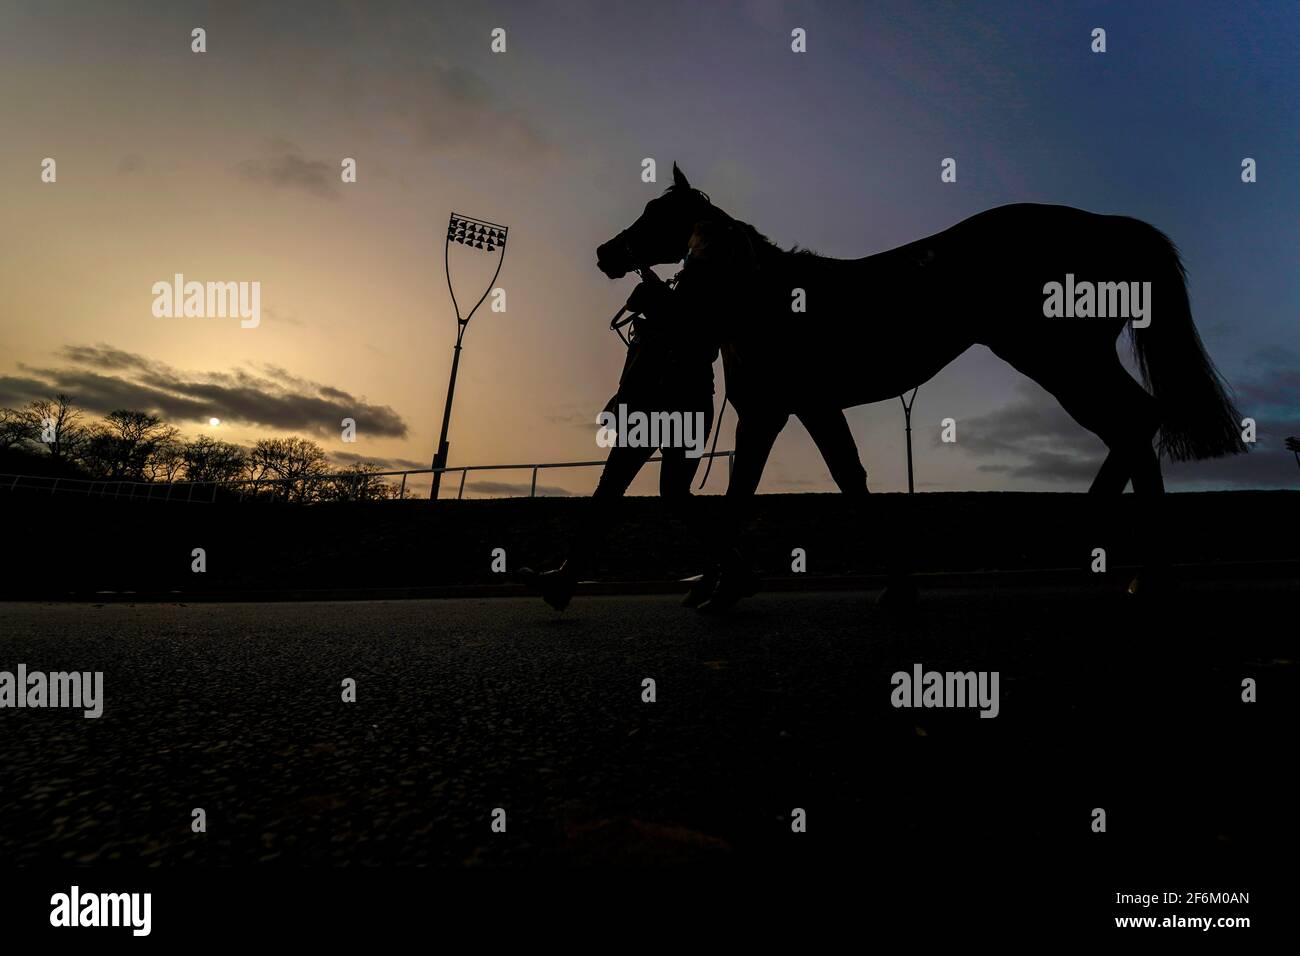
[(624, 316)]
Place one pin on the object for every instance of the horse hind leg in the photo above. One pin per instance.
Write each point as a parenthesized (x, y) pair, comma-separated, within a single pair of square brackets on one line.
[(729, 578), (1102, 397), (1097, 391), (1127, 420)]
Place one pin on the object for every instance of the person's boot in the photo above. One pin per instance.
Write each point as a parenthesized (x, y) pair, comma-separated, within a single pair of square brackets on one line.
[(703, 588), (736, 580), (556, 587)]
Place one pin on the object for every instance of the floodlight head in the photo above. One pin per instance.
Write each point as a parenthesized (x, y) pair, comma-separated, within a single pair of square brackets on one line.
[(476, 233)]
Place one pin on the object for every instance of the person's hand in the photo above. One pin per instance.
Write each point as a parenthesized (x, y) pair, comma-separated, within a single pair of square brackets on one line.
[(647, 297)]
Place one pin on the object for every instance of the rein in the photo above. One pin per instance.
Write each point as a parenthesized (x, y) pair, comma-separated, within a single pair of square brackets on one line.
[(625, 316)]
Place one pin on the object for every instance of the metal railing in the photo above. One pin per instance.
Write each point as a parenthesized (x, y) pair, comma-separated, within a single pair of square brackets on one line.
[(185, 490)]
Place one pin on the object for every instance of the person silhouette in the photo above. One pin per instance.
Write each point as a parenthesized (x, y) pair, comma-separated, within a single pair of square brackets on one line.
[(668, 372)]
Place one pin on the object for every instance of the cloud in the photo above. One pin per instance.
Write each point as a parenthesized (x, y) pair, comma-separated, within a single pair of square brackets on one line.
[(1033, 438), (106, 357), (586, 421), (516, 490), (795, 482), (385, 464), (277, 315), (286, 167), (435, 107), (1273, 382), (441, 108), (266, 400), (1267, 465)]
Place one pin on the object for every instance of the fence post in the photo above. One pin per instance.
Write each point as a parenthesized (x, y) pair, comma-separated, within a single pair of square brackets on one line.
[(402, 494), (461, 493), (533, 492), (731, 459)]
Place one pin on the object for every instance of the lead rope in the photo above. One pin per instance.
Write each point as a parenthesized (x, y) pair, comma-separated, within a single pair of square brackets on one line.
[(717, 430)]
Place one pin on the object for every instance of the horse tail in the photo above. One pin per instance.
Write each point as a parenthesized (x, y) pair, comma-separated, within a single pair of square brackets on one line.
[(1197, 416)]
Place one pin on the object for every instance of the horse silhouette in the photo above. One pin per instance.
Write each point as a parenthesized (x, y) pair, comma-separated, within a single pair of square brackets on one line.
[(808, 333)]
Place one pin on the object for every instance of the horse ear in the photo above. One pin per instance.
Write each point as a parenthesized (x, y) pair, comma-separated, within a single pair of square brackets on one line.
[(679, 178)]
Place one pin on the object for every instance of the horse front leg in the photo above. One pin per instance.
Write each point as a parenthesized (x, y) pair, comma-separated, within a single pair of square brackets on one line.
[(729, 577), (830, 432)]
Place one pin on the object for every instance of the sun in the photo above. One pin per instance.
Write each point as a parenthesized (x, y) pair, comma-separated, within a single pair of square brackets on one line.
[(214, 422)]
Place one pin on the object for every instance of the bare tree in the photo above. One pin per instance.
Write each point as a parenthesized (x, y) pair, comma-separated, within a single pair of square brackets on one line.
[(359, 482), (56, 424), (167, 458), (207, 459), (298, 463), (13, 429), (125, 442)]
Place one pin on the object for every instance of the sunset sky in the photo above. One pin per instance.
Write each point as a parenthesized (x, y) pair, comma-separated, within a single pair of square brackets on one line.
[(224, 166)]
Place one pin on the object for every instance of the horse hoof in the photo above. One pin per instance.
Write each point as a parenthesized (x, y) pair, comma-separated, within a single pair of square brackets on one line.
[(732, 587)]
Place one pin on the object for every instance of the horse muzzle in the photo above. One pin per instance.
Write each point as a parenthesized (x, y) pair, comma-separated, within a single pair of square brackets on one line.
[(614, 258)]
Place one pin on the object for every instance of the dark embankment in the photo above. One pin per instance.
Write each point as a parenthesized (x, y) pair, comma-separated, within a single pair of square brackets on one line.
[(61, 546)]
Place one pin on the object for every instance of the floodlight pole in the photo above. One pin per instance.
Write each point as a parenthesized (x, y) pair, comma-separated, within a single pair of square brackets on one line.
[(440, 456), (907, 418)]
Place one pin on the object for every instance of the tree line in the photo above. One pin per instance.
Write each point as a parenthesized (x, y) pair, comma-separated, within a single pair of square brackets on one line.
[(56, 437)]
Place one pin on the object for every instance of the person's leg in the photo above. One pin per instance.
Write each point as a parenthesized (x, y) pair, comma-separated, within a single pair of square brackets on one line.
[(676, 476), (557, 586), (621, 469)]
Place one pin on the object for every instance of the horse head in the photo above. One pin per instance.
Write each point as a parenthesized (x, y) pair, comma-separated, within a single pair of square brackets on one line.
[(661, 234)]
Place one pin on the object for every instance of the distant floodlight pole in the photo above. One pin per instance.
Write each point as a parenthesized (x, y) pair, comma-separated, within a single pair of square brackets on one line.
[(907, 417), (475, 234)]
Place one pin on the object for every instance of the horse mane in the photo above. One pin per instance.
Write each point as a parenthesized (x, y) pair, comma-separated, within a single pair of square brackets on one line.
[(763, 243), (759, 240)]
